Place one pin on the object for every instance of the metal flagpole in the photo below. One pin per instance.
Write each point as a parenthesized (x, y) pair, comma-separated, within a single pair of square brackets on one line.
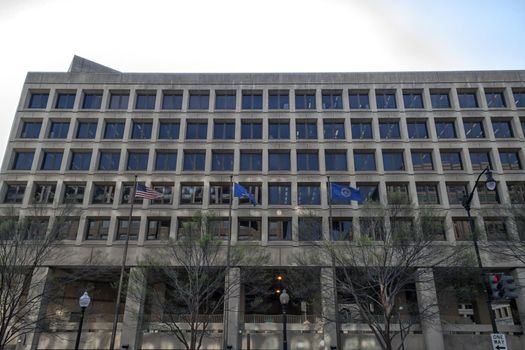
[(227, 282), (122, 267), (334, 280)]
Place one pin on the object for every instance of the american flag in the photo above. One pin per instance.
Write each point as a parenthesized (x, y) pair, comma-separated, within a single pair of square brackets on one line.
[(147, 193)]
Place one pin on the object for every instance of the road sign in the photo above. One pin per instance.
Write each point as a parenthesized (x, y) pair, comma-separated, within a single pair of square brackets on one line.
[(499, 342)]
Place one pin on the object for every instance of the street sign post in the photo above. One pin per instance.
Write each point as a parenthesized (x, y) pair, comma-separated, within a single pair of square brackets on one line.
[(499, 342)]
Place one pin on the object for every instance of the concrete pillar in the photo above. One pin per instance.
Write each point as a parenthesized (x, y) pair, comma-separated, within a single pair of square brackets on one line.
[(328, 308), (519, 278), (233, 293), (134, 309), (429, 310)]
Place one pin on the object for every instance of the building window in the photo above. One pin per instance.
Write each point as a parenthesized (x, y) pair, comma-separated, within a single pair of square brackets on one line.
[(251, 100), (496, 229), (255, 190), (307, 161), (516, 192), (251, 130), (118, 100), (310, 229), (486, 196), (335, 160), (422, 160), (456, 192), (58, 130), (15, 193), (480, 160), (278, 160), (519, 98), (37, 227), (334, 130), (372, 227), (194, 161), (510, 160), (103, 193), (222, 161), (417, 129), (342, 229), (92, 100), (332, 100), (393, 161), (191, 194), (31, 130), (362, 131), (251, 161), (196, 131), (359, 100), (397, 193), (199, 100), (280, 194), (249, 229), (114, 130), (80, 160), (220, 193), (412, 100), (306, 130), (279, 130), (23, 160), (44, 193), (474, 129), (124, 228), (87, 130), (495, 99), (279, 229), (166, 161), (451, 160), (219, 228), (141, 131), (502, 129), (308, 194), (467, 99), (65, 101), (401, 228), (188, 227), (169, 130), (167, 194), (74, 193), (445, 129), (225, 100), (128, 194), (109, 160), (427, 193), (158, 229), (389, 130), (172, 100), (434, 227), (51, 160), (369, 192), (97, 229), (439, 99), (305, 100), (386, 100), (145, 101), (38, 100), (137, 161), (67, 227), (364, 161), (223, 130), (278, 100)]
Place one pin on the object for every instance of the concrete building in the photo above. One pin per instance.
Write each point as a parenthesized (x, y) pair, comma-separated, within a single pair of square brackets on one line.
[(84, 133)]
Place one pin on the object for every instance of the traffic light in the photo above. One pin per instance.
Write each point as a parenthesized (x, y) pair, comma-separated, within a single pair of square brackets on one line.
[(494, 280), (507, 287)]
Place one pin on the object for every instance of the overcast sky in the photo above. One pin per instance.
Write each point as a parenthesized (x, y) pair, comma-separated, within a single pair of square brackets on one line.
[(255, 36)]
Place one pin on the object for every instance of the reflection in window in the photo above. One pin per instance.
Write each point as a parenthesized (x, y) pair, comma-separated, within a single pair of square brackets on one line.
[(279, 229), (304, 100), (335, 160), (310, 229), (456, 192), (308, 194), (225, 100), (169, 130), (249, 229), (393, 161), (199, 100), (332, 100), (223, 130), (417, 129), (279, 194), (334, 130), (172, 100), (359, 100), (389, 130), (413, 100), (451, 160), (278, 160), (65, 101), (92, 100), (222, 161), (145, 101), (251, 161), (495, 99), (362, 130), (194, 161), (369, 192), (191, 194), (502, 129), (306, 130), (427, 193), (278, 100), (467, 99), (364, 161), (440, 100), (251, 100), (510, 160), (480, 160), (445, 129), (422, 160), (474, 129), (342, 229), (386, 100), (114, 130)]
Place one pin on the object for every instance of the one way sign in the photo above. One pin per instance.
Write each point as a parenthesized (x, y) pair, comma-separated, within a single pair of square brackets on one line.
[(499, 342)]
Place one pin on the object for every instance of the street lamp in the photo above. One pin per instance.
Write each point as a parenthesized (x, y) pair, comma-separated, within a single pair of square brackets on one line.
[(284, 298), (400, 327), (490, 184), (83, 302)]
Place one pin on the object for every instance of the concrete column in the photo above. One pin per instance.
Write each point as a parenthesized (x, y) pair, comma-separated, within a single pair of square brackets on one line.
[(328, 308), (233, 293), (519, 278), (429, 310), (134, 309)]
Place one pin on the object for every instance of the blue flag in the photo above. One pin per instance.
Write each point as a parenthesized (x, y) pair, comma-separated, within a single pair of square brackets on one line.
[(345, 193), (241, 192)]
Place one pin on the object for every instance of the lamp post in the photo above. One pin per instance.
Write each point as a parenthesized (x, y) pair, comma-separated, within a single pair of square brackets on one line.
[(490, 184), (400, 327), (284, 298), (84, 302)]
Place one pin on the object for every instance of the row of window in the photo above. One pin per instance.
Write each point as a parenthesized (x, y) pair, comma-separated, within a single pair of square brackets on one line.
[(333, 129), (278, 228), (278, 193), (278, 160), (277, 99)]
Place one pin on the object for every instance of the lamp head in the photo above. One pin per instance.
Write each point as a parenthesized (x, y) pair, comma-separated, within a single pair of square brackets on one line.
[(284, 298), (490, 184), (84, 300)]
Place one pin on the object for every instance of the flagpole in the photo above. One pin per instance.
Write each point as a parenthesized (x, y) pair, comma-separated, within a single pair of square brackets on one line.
[(334, 277), (227, 291), (122, 267)]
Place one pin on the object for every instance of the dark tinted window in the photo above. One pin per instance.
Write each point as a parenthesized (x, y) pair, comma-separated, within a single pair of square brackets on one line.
[(359, 100), (474, 129), (169, 131), (65, 101), (279, 130), (172, 101), (15, 193), (251, 161), (166, 161), (224, 130), (510, 160), (38, 100), (251, 130), (145, 101), (417, 130), (23, 160), (109, 160), (440, 99), (369, 192), (306, 130), (422, 160), (278, 100), (141, 130), (194, 161), (222, 161), (519, 98), (137, 161), (445, 129), (225, 100), (278, 160), (279, 194), (362, 130), (80, 161), (342, 229), (364, 161), (335, 161), (251, 100), (31, 130), (279, 229), (467, 99), (196, 131), (58, 130), (451, 160), (332, 100), (118, 101), (199, 100), (114, 130), (495, 100), (393, 161), (304, 100), (86, 130), (51, 161), (92, 101), (307, 161), (502, 129), (480, 160), (308, 194), (389, 130), (334, 130), (413, 100), (386, 100)]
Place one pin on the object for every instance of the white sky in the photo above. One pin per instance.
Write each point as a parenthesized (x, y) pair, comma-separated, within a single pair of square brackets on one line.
[(255, 36)]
